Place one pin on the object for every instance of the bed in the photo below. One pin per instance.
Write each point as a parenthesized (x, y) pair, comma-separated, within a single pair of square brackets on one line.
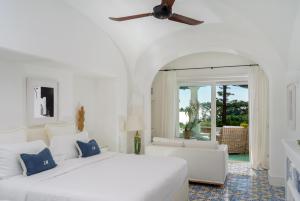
[(105, 177)]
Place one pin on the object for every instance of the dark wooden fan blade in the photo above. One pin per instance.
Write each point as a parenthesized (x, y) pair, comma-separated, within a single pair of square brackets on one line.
[(170, 3), (186, 20), (119, 19)]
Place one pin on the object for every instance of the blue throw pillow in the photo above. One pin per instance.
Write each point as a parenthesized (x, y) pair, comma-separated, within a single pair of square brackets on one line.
[(36, 163), (88, 149)]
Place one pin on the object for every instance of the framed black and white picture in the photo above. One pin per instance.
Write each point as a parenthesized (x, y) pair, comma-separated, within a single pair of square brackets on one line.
[(291, 105), (42, 105)]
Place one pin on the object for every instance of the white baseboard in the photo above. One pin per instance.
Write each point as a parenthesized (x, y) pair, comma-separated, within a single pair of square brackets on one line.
[(276, 181)]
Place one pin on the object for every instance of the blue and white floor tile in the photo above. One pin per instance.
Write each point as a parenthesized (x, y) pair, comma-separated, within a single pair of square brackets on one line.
[(242, 184)]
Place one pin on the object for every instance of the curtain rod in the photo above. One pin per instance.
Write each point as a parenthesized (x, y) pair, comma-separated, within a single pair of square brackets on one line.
[(210, 67)]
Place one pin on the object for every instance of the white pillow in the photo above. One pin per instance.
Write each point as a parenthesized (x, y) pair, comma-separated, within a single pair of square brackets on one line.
[(167, 142), (10, 154), (12, 137), (64, 147), (200, 144), (60, 129)]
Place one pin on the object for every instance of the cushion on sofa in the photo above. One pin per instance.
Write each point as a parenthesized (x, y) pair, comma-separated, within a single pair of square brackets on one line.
[(200, 144), (167, 142)]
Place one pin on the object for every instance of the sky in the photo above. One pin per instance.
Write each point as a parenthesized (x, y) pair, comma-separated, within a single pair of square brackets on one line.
[(204, 95)]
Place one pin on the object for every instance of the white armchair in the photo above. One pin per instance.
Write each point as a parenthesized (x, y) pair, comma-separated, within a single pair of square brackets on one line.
[(207, 161)]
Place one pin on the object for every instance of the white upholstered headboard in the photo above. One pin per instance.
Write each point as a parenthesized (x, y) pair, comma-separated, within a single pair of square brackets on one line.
[(35, 133), (43, 133)]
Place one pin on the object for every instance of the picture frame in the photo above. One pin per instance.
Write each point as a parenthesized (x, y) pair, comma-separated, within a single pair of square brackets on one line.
[(42, 101), (291, 105)]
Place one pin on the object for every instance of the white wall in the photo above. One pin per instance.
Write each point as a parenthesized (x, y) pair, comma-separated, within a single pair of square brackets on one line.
[(293, 74), (156, 102), (294, 77), (108, 119), (13, 91), (55, 31), (97, 94), (85, 90), (208, 59), (264, 15), (99, 97)]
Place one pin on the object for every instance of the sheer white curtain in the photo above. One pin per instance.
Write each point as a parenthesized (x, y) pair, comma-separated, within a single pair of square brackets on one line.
[(168, 104), (259, 120)]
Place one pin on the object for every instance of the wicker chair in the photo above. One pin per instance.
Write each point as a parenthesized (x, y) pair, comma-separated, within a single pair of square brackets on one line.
[(236, 138)]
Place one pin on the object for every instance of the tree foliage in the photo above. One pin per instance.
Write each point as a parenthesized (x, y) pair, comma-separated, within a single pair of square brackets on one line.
[(236, 110), (191, 111)]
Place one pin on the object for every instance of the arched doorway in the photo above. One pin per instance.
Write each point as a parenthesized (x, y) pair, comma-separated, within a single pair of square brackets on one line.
[(197, 84), (205, 40)]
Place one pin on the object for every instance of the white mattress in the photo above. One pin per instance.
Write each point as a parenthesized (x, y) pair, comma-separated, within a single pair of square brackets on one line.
[(106, 177)]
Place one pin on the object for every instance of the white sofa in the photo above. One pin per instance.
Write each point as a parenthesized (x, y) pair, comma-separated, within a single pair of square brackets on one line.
[(207, 161)]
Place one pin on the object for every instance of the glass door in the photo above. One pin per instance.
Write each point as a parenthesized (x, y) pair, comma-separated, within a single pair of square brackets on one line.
[(232, 104), (204, 108)]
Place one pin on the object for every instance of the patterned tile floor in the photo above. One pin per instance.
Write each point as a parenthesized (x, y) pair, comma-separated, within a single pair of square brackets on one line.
[(242, 184)]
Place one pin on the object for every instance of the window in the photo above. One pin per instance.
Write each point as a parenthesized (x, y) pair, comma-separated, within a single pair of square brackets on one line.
[(205, 108)]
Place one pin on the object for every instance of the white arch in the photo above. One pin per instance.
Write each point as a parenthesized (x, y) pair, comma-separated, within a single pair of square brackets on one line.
[(221, 38), (210, 38)]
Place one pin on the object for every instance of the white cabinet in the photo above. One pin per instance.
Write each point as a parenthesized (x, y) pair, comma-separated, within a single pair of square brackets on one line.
[(292, 167)]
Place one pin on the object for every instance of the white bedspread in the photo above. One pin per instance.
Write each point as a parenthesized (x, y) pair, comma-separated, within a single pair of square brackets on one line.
[(106, 177)]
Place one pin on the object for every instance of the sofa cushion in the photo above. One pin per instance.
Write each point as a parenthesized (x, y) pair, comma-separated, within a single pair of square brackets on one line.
[(167, 142), (200, 144)]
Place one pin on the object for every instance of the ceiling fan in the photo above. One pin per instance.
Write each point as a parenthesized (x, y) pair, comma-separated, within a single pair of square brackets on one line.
[(162, 11)]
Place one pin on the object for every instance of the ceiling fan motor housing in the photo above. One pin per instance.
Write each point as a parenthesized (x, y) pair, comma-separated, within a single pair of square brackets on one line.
[(162, 11)]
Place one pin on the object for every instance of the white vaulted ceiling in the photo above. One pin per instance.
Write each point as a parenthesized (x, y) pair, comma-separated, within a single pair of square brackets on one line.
[(78, 32), (133, 37), (270, 19)]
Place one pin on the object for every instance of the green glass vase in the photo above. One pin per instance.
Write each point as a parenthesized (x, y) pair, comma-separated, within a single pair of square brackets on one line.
[(137, 143)]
